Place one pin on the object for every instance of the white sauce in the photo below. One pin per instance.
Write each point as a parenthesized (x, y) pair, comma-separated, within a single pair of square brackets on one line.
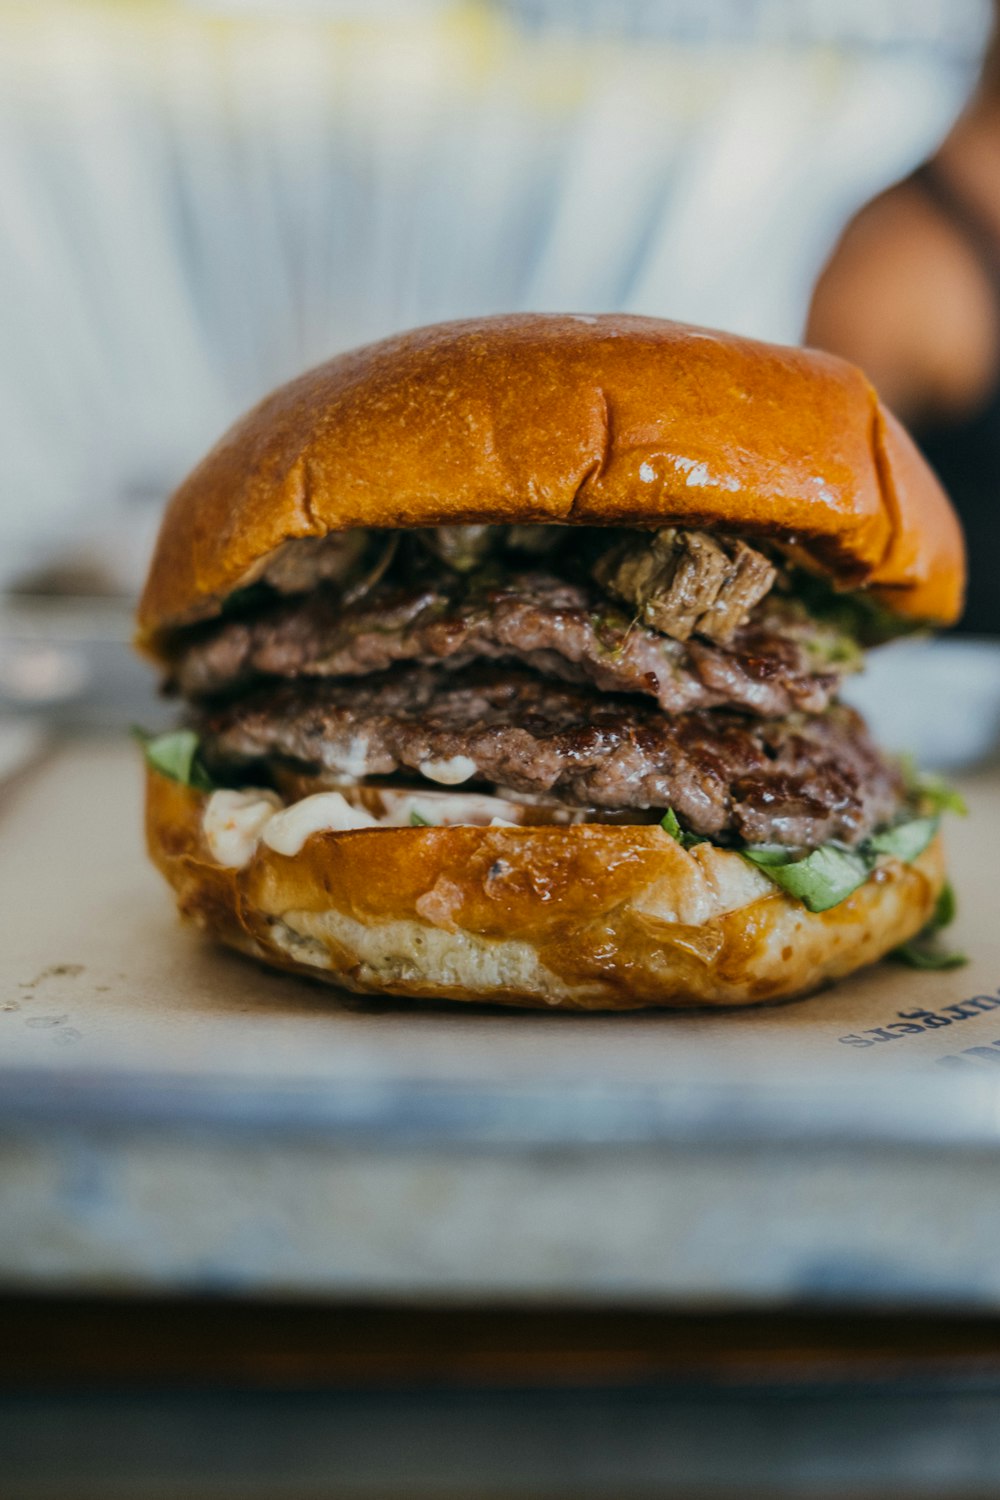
[(442, 809), (326, 812), (647, 473), (234, 821), (449, 772)]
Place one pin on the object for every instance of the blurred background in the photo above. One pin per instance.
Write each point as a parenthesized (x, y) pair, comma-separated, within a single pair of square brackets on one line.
[(198, 200)]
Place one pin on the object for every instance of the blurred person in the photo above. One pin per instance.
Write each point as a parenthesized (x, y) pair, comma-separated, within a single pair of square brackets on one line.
[(912, 294)]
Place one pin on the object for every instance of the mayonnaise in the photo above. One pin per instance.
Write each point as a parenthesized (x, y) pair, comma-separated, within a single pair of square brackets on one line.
[(449, 772), (233, 823), (441, 809), (326, 812)]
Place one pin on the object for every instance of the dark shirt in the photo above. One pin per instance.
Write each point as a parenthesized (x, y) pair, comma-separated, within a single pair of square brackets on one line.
[(965, 453)]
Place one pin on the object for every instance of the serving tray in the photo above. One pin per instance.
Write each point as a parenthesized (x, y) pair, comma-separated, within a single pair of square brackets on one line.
[(174, 1118)]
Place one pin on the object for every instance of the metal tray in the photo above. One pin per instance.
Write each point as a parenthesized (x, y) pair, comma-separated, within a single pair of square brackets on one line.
[(172, 1117)]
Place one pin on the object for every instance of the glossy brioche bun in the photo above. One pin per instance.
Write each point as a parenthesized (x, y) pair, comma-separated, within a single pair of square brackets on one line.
[(590, 917), (595, 420)]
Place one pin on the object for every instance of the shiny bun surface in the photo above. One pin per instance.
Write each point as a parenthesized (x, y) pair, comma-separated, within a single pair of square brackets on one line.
[(612, 420)]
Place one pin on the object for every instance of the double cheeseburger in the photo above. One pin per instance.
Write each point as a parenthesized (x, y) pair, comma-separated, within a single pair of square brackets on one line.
[(510, 653)]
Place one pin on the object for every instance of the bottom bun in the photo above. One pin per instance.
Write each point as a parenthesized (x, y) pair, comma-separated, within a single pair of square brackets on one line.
[(589, 917)]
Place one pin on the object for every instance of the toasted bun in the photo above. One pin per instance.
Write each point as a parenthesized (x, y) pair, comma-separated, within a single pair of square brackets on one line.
[(599, 421), (591, 917)]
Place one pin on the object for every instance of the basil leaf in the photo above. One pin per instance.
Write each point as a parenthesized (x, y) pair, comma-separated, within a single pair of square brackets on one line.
[(175, 755), (923, 952), (945, 909), (670, 825), (918, 954), (822, 879), (418, 821), (906, 840)]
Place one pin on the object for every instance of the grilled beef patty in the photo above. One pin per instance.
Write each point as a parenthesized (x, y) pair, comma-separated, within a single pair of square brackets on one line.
[(562, 629), (797, 781)]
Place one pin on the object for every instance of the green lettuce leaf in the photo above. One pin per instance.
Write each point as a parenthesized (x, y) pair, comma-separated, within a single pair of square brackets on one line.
[(175, 754), (670, 825), (820, 880), (905, 840), (828, 875)]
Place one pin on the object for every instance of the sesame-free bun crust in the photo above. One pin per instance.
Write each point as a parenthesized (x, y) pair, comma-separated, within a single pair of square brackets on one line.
[(589, 917), (593, 420)]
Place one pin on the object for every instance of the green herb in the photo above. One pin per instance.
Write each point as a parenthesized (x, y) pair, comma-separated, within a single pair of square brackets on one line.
[(175, 755), (670, 825), (418, 821), (905, 840), (945, 909), (923, 951), (919, 955), (828, 647), (828, 875), (934, 792), (612, 629), (820, 880)]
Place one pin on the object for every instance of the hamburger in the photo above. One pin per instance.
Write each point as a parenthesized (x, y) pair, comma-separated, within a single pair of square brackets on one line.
[(511, 652)]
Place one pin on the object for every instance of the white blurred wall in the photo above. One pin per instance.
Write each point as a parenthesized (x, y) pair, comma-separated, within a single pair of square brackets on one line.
[(197, 201)]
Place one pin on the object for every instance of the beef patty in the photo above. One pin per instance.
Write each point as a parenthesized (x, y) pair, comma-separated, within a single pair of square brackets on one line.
[(565, 630), (799, 781)]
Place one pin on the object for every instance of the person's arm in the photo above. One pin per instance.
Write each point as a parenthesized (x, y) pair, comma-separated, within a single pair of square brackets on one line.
[(904, 297)]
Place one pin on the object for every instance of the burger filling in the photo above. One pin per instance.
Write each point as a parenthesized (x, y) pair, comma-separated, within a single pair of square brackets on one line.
[(532, 674), (800, 780)]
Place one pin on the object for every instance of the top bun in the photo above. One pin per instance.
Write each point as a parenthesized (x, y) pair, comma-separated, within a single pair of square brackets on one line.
[(610, 420)]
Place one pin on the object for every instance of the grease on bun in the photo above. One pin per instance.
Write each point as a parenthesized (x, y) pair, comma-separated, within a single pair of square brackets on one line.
[(585, 918)]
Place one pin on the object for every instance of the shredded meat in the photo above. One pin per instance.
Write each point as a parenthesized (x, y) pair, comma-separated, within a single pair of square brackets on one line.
[(561, 629), (687, 582), (799, 781), (303, 563)]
